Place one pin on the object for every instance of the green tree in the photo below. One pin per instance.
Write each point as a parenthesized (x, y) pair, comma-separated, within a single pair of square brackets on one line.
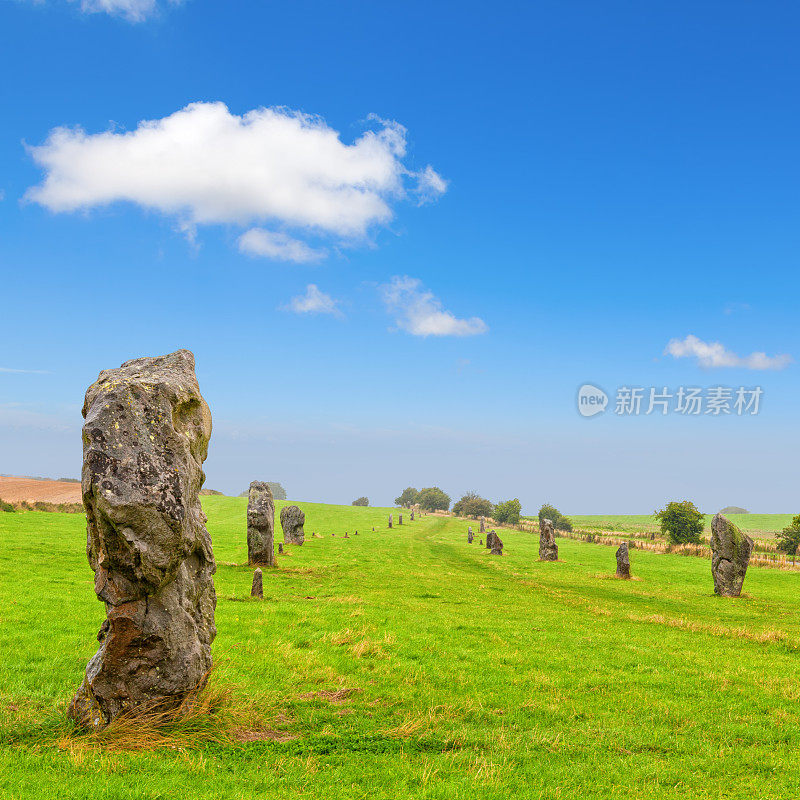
[(681, 522), (789, 537), (508, 512), (361, 501), (433, 499), (560, 522), (473, 505), (408, 498)]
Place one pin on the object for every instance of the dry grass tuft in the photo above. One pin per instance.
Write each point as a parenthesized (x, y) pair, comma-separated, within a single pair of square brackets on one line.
[(332, 696)]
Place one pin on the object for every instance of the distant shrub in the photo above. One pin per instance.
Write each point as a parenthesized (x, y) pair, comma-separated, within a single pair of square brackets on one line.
[(507, 512), (69, 480), (789, 538), (278, 492), (39, 505), (7, 507), (473, 505), (560, 522), (433, 499), (361, 501), (681, 522), (408, 498), (734, 510)]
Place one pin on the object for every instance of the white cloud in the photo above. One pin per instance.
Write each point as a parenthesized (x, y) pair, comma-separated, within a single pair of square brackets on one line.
[(270, 166), (259, 242), (420, 313), (24, 371), (314, 302), (714, 354)]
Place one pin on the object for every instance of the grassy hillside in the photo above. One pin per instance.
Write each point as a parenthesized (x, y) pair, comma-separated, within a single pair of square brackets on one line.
[(407, 663)]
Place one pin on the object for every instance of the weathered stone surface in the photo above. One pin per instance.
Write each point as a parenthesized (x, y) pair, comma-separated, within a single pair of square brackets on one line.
[(548, 549), (623, 561), (489, 536), (497, 544), (730, 555), (390, 520), (258, 584), (292, 521), (260, 525), (145, 438)]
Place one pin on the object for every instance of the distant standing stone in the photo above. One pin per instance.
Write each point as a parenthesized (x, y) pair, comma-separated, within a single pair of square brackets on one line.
[(470, 537), (280, 547), (292, 521), (412, 516), (481, 542), (390, 520), (483, 526), (260, 525), (497, 545), (345, 535), (730, 555), (489, 538), (355, 534), (623, 561), (399, 519), (258, 584), (548, 549)]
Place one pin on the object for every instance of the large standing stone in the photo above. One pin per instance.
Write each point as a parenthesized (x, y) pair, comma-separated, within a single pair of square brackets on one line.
[(623, 561), (489, 536), (730, 555), (292, 521), (260, 525), (497, 544), (258, 584), (144, 442), (548, 549)]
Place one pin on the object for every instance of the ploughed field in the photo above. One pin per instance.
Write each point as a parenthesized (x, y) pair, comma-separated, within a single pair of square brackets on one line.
[(407, 663)]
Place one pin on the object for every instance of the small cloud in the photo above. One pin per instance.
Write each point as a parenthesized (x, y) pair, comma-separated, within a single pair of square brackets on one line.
[(430, 185), (314, 302), (713, 355), (278, 246), (734, 308), (24, 371), (419, 312)]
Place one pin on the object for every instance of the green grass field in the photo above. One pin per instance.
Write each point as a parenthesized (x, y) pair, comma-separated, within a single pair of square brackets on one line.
[(757, 524), (472, 676)]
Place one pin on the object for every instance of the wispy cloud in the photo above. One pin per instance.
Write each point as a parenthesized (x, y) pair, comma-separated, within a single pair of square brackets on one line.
[(24, 371), (279, 246), (714, 355), (420, 313), (314, 301), (267, 171)]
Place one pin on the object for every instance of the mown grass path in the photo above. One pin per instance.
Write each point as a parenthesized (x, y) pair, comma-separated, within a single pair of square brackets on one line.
[(407, 663)]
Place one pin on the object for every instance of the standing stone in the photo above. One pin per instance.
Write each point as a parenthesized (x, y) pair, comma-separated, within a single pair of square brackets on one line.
[(730, 555), (497, 545), (481, 542), (483, 526), (345, 535), (470, 537), (548, 549), (144, 442), (412, 516), (258, 584), (280, 548), (292, 521), (260, 525), (399, 519), (623, 561), (355, 534), (390, 520), (489, 538), (373, 529)]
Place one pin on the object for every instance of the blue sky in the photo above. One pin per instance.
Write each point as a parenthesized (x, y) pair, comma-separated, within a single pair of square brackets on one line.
[(575, 185)]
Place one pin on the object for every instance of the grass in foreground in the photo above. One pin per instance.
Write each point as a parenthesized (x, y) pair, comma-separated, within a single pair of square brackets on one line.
[(407, 663)]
